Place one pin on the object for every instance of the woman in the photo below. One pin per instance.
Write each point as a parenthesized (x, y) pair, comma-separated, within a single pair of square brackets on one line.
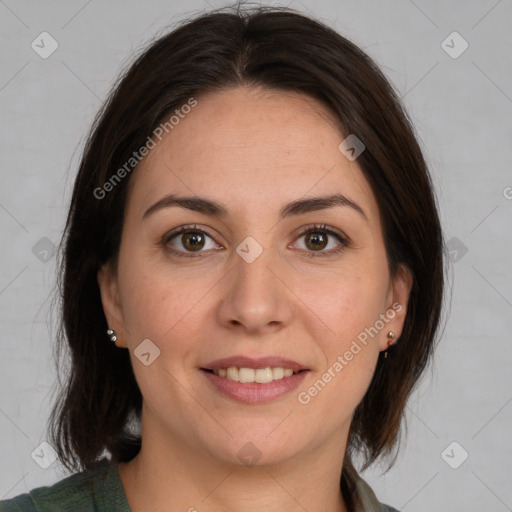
[(252, 276)]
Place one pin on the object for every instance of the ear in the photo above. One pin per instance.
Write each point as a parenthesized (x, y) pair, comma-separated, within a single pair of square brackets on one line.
[(396, 304), (110, 299)]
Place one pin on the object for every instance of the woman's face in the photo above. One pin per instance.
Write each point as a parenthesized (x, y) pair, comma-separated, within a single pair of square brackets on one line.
[(264, 277)]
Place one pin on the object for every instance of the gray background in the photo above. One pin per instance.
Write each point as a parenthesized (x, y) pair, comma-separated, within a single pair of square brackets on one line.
[(462, 108)]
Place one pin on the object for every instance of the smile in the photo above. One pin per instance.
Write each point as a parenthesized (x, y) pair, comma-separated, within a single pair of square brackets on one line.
[(254, 380), (259, 375)]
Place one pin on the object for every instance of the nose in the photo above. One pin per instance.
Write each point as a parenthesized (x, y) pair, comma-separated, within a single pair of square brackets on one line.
[(256, 299)]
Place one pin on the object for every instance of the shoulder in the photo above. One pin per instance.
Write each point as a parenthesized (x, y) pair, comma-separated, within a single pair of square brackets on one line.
[(22, 503), (95, 490)]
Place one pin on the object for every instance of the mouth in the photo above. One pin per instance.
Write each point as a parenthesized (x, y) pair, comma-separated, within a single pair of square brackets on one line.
[(249, 375), (254, 380)]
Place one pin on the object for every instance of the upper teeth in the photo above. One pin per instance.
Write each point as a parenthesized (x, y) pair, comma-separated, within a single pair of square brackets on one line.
[(260, 375)]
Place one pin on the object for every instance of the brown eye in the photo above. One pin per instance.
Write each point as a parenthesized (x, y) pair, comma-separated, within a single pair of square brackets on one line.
[(187, 240), (193, 240), (316, 241), (317, 238)]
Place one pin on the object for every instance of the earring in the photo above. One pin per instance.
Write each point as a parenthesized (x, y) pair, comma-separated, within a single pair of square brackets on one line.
[(391, 337), (112, 334)]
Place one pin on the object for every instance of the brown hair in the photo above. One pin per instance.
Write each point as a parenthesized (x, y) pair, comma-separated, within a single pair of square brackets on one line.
[(276, 48)]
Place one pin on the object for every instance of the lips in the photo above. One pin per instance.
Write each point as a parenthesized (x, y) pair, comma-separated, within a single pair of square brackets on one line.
[(254, 381), (254, 363)]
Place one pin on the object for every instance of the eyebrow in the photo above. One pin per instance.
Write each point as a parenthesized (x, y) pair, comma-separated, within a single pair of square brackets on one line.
[(209, 207)]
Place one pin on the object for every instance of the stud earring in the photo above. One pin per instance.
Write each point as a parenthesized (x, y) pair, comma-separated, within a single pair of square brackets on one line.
[(391, 338), (112, 335)]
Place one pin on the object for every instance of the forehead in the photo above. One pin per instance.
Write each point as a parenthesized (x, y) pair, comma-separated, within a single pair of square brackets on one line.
[(252, 143)]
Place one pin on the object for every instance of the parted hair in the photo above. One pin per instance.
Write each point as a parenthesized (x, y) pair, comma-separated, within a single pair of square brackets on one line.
[(275, 48)]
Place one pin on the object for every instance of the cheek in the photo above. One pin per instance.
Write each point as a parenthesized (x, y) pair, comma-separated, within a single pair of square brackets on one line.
[(350, 303), (159, 308), (347, 301), (155, 300), (350, 349)]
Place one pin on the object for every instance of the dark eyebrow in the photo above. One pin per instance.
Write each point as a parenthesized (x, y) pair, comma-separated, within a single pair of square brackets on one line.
[(209, 207), (196, 204), (314, 204)]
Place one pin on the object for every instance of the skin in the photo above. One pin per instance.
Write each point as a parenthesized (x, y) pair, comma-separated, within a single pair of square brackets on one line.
[(253, 150)]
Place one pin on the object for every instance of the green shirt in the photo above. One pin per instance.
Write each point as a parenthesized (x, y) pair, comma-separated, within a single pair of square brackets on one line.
[(101, 490)]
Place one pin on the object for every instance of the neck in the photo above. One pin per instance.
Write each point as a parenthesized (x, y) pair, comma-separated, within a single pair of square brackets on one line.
[(172, 476)]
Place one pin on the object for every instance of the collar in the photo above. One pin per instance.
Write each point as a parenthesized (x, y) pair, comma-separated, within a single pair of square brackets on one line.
[(368, 502)]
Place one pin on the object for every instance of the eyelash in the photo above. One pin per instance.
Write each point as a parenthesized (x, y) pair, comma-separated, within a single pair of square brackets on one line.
[(344, 242)]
